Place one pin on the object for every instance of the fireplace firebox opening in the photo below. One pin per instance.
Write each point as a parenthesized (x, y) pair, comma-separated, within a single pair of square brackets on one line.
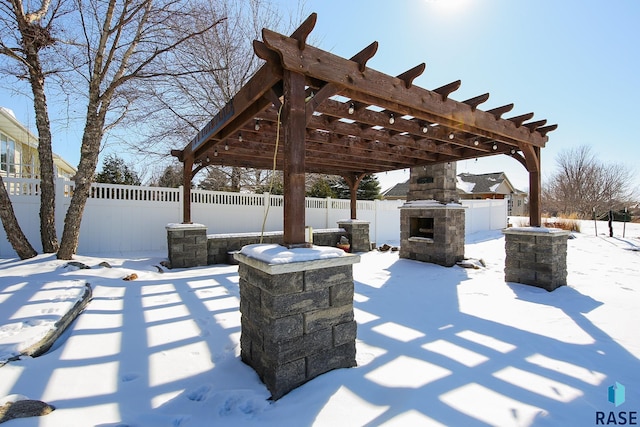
[(421, 227)]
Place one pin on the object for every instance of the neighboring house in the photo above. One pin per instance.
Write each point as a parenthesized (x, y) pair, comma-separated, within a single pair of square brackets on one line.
[(478, 187), (19, 150), (397, 192)]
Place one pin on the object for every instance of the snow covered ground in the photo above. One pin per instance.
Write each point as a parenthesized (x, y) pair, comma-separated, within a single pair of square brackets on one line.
[(436, 345)]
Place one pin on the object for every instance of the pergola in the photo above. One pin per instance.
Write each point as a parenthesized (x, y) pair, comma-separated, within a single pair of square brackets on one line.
[(337, 116)]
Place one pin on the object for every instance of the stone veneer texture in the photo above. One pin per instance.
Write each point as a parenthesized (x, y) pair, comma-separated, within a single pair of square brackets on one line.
[(296, 325)]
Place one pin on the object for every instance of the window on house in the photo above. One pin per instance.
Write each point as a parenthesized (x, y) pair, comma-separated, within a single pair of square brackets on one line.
[(8, 154)]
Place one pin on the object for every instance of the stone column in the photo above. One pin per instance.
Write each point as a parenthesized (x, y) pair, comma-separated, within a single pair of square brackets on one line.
[(358, 234), (433, 182), (187, 245), (297, 319), (536, 256)]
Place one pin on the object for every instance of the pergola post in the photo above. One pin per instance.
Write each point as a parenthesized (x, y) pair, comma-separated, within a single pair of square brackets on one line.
[(353, 181), (294, 127), (186, 192), (532, 162), (535, 209)]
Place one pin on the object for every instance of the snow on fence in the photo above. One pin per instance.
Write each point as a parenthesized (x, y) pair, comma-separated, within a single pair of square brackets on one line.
[(122, 218)]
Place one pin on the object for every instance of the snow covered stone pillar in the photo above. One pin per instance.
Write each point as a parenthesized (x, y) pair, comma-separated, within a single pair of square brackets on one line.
[(297, 313), (187, 245), (536, 256), (358, 234)]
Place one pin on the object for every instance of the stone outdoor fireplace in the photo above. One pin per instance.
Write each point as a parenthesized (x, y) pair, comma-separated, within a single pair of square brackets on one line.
[(432, 220)]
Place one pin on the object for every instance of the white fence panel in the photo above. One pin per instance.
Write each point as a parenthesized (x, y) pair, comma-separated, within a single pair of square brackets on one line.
[(488, 214), (386, 226), (120, 218)]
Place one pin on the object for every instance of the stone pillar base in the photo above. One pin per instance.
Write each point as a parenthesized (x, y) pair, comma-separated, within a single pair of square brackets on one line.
[(358, 234), (187, 245), (536, 256), (297, 319)]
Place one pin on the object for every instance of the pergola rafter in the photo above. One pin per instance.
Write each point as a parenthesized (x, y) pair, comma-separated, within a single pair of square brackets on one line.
[(339, 116)]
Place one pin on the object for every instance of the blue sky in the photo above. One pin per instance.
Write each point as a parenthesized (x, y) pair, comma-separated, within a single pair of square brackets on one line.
[(574, 63)]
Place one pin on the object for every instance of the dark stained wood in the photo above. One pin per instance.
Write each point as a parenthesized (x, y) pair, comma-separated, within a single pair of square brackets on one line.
[(274, 98), (535, 192), (477, 100), (179, 154), (410, 75), (263, 52), (303, 31), (448, 89), (323, 94), (532, 158), (499, 111), (519, 120), (353, 181), (294, 126), (546, 129), (362, 57), (325, 66), (448, 123), (532, 126), (520, 159), (364, 135), (186, 195), (535, 207), (335, 152)]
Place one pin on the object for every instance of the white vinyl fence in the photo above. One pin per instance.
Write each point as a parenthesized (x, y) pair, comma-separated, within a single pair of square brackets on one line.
[(121, 218)]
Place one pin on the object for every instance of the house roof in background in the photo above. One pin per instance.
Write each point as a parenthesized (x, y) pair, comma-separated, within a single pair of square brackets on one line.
[(16, 130), (467, 183), (21, 134), (399, 190), (485, 183)]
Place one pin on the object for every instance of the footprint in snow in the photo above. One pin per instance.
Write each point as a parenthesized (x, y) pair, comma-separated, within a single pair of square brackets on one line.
[(132, 376), (200, 394), (240, 401)]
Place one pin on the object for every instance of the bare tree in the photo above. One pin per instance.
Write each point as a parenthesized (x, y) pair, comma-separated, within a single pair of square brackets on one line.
[(26, 34), (582, 183), (185, 104), (16, 237), (237, 179), (107, 50), (119, 43)]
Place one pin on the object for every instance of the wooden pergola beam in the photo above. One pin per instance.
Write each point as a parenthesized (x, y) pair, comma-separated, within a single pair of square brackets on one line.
[(448, 89), (477, 100), (377, 141), (410, 75), (361, 58), (392, 91)]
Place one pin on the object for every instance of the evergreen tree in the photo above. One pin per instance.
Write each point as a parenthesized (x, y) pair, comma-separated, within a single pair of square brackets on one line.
[(340, 188), (116, 171), (369, 188), (171, 177), (321, 188)]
